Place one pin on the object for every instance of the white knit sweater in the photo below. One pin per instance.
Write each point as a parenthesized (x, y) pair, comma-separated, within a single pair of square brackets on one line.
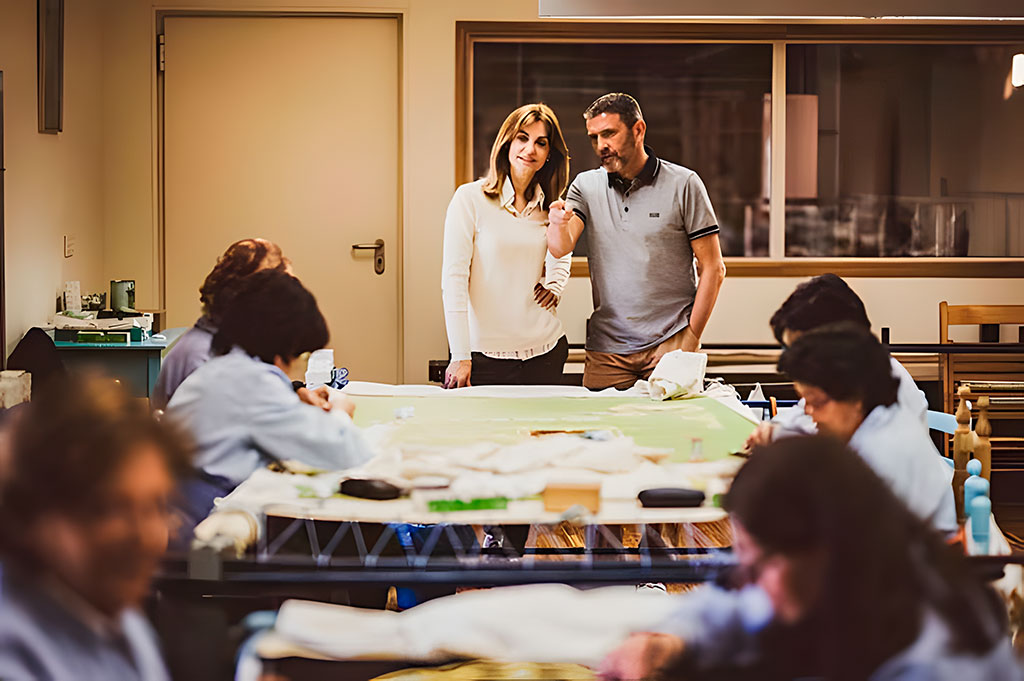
[(493, 257)]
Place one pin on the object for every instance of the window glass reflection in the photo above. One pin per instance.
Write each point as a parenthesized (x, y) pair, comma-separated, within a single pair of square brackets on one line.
[(904, 150), (703, 104)]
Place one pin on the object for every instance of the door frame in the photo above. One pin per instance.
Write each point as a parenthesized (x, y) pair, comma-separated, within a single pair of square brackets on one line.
[(3, 253), (159, 18)]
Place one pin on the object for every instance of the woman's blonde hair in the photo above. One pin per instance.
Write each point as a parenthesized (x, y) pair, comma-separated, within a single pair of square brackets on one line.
[(553, 177)]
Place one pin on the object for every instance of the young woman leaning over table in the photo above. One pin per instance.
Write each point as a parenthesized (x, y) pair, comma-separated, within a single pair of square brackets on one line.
[(836, 580), (240, 406), (499, 283), (845, 378), (192, 350)]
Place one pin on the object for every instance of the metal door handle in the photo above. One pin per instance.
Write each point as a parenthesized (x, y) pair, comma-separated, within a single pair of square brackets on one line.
[(378, 253)]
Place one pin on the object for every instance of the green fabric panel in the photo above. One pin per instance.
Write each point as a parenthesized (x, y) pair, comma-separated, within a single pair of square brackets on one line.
[(671, 425)]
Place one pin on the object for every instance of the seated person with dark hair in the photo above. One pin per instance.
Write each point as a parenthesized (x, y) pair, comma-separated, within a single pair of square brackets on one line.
[(835, 580), (845, 378), (192, 350), (83, 525), (240, 406), (827, 299)]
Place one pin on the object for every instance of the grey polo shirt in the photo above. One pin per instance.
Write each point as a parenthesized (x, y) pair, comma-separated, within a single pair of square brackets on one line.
[(641, 263)]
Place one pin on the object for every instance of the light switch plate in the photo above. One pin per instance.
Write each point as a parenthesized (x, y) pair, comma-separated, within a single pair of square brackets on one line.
[(69, 245)]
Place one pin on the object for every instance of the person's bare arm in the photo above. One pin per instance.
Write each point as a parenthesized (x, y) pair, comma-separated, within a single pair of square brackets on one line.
[(761, 437), (711, 272), (641, 656), (564, 228)]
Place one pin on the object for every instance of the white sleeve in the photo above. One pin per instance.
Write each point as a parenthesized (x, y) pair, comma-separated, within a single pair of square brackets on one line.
[(285, 427), (909, 396), (556, 272), (459, 231), (792, 421)]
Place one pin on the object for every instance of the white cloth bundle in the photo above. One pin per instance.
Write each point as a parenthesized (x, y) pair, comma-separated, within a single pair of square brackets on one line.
[(678, 374), (536, 623)]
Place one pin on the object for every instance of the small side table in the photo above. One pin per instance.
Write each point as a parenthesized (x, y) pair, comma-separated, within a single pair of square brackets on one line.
[(137, 365)]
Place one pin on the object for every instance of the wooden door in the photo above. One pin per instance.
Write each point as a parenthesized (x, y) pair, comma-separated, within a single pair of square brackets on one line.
[(287, 128)]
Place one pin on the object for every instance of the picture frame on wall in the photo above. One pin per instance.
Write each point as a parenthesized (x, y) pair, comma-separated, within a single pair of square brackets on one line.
[(50, 42)]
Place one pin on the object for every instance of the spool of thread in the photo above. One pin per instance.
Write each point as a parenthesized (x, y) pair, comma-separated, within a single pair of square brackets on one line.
[(696, 449), (979, 511)]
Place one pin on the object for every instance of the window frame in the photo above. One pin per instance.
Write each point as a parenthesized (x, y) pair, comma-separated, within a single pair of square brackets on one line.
[(777, 264)]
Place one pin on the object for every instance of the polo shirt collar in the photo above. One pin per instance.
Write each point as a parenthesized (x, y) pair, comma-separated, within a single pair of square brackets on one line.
[(508, 197), (646, 176)]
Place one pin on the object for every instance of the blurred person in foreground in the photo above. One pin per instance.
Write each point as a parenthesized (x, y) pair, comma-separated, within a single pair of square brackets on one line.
[(835, 580), (84, 521)]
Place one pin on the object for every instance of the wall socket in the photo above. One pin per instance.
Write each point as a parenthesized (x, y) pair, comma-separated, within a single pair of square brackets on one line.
[(69, 245)]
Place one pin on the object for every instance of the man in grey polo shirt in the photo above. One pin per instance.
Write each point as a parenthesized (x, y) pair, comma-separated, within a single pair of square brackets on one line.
[(649, 220)]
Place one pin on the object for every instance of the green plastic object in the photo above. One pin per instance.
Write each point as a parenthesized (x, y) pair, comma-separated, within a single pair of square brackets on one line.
[(113, 337), (486, 504)]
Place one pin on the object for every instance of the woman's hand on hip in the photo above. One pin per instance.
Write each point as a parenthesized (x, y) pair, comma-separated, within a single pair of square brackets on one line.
[(457, 373), (546, 298)]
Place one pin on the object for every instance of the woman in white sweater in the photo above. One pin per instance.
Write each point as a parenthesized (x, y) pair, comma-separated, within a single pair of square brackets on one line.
[(499, 283)]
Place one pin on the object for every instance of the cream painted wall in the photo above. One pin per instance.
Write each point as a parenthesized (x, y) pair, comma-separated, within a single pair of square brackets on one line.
[(909, 306), (53, 182), (429, 163)]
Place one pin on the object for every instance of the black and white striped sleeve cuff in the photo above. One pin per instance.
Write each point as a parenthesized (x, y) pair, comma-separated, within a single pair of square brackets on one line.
[(704, 231)]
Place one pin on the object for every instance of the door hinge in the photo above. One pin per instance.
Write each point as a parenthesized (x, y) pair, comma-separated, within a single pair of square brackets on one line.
[(161, 49)]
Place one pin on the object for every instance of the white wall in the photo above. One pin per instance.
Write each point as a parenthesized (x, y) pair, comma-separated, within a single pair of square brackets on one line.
[(53, 182), (908, 306)]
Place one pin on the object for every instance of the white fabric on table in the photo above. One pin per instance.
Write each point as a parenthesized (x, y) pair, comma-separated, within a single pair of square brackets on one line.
[(540, 623)]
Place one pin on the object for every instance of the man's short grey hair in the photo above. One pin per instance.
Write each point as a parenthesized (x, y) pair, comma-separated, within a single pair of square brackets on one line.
[(617, 103)]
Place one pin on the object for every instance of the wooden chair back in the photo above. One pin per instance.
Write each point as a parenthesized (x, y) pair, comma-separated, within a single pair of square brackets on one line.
[(1005, 392)]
